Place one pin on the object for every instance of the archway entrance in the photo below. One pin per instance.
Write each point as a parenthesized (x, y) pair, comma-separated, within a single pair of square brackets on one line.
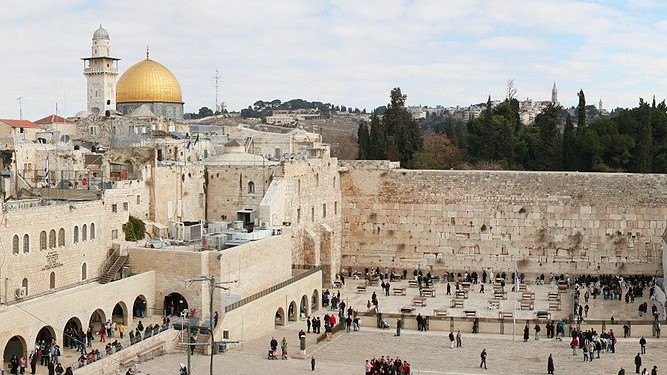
[(46, 335), (15, 347), (303, 307), (139, 307), (280, 317), (174, 304), (315, 301), (291, 312), (72, 327), (119, 314), (97, 319)]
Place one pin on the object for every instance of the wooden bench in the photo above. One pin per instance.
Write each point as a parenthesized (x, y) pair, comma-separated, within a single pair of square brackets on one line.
[(435, 278), (393, 278), (470, 313), (413, 283), (361, 288), (505, 314), (499, 295), (439, 312), (562, 287), (430, 292), (457, 302), (523, 287), (526, 305), (399, 291), (465, 285), (543, 314), (337, 284), (374, 281), (461, 294), (553, 305), (419, 301), (407, 310), (553, 296), (528, 295), (494, 304)]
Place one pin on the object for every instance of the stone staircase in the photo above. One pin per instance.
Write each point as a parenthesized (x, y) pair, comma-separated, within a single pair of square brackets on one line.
[(201, 342), (110, 273)]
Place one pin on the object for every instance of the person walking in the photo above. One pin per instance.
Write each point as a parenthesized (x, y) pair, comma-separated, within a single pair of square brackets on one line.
[(312, 363), (451, 339), (482, 357), (526, 333), (458, 339), (642, 345), (550, 365), (638, 363), (657, 330), (537, 331), (655, 370), (308, 324), (283, 348)]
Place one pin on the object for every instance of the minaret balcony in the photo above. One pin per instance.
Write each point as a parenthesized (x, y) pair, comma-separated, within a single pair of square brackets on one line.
[(100, 70)]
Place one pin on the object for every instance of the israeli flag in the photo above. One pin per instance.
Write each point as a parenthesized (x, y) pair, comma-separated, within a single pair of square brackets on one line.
[(516, 277), (46, 171)]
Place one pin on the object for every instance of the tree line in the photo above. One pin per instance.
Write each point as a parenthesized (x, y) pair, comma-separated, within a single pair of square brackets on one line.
[(628, 140)]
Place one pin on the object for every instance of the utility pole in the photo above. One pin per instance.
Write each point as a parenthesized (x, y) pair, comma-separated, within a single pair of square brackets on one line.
[(217, 85), (212, 286), (20, 100)]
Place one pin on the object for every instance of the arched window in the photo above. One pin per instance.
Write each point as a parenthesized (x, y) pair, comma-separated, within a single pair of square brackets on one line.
[(52, 280), (15, 244), (92, 231), (76, 234), (251, 187), (61, 237), (52, 238), (84, 232), (26, 243), (84, 272), (42, 240), (24, 284)]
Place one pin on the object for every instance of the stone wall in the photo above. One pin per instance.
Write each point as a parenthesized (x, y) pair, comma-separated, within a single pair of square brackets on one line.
[(177, 193), (465, 220)]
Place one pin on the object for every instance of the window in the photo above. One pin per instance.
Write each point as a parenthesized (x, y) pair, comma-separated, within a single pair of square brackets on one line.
[(26, 243), (61, 237), (251, 187), (114, 234), (84, 271), (24, 284), (335, 208), (52, 280), (126, 206), (42, 240), (138, 199), (324, 210), (84, 232), (76, 234), (312, 214), (15, 244), (298, 215), (114, 208), (52, 238), (92, 231)]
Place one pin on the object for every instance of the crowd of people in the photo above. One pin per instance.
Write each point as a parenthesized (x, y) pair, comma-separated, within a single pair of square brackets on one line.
[(387, 366)]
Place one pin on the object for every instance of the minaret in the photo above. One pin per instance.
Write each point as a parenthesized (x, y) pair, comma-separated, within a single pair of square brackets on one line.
[(600, 106), (554, 95), (101, 70)]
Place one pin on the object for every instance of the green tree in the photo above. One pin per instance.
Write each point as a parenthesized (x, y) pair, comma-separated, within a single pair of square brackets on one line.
[(438, 153), (363, 140), (581, 109), (377, 145), (569, 146), (403, 134), (548, 156), (134, 229)]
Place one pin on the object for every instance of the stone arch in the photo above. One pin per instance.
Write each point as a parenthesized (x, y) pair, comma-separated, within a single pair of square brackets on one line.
[(24, 285), (92, 231), (15, 346), (26, 243), (46, 335), (75, 234), (279, 318), (15, 244), (97, 319), (84, 272), (119, 313), (72, 326), (292, 312), (315, 301), (52, 280), (61, 237), (303, 307), (139, 306), (84, 232), (52, 239), (175, 303)]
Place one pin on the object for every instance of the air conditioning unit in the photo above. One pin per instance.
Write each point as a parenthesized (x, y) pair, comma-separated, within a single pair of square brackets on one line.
[(21, 292)]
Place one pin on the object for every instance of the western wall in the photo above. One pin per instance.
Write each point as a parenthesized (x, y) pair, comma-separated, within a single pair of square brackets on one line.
[(465, 220)]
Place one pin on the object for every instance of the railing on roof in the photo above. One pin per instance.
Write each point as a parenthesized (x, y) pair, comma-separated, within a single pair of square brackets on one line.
[(272, 289)]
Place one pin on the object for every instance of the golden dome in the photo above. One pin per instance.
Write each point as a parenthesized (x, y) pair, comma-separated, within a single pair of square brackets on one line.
[(148, 81)]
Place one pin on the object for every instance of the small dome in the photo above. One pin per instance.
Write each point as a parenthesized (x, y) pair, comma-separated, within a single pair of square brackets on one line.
[(148, 81), (101, 33)]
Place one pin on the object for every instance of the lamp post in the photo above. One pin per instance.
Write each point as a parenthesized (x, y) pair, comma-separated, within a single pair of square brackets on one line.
[(212, 286)]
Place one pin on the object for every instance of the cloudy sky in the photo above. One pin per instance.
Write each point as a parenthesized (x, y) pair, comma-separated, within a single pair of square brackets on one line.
[(348, 52)]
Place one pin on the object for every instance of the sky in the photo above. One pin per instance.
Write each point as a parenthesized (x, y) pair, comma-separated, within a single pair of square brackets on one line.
[(346, 52)]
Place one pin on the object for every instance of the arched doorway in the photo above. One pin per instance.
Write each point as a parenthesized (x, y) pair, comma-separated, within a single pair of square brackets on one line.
[(119, 314), (175, 303), (46, 335), (139, 307), (72, 327), (315, 301), (97, 319), (303, 307), (280, 317), (291, 312), (16, 346)]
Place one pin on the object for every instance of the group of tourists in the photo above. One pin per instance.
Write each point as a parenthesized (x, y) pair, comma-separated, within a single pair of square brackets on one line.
[(387, 366)]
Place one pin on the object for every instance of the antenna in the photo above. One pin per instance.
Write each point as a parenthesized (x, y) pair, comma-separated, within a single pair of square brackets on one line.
[(147, 51), (217, 85), (20, 100)]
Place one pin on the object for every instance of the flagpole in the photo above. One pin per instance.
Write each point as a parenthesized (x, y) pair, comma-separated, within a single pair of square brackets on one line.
[(516, 288)]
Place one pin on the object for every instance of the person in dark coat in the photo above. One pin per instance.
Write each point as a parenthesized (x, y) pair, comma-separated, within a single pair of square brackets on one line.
[(526, 333), (312, 363), (638, 362), (550, 365)]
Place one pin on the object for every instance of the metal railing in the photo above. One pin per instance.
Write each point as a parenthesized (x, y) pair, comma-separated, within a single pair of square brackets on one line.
[(272, 289)]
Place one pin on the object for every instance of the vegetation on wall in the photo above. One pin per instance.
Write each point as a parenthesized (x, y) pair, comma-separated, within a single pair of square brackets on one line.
[(134, 229)]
